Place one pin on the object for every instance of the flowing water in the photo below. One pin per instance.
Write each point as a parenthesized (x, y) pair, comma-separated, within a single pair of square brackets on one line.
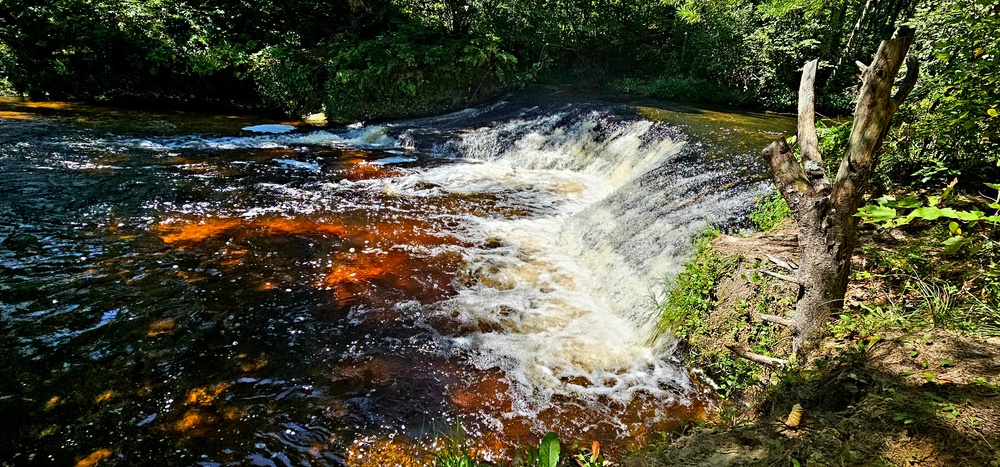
[(186, 289)]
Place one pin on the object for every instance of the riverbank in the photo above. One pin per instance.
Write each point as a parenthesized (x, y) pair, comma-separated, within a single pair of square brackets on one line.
[(909, 376)]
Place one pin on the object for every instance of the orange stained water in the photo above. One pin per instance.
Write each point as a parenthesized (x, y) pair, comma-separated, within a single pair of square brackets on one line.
[(16, 115), (226, 316), (94, 458), (619, 427), (383, 259), (367, 171), (386, 233), (385, 452), (126, 118)]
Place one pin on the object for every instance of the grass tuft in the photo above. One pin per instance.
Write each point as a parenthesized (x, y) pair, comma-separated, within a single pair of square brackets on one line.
[(770, 211), (688, 297)]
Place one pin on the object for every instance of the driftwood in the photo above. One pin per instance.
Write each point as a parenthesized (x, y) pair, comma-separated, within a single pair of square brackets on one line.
[(824, 211)]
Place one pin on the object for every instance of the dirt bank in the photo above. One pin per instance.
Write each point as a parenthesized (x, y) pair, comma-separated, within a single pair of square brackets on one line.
[(895, 384)]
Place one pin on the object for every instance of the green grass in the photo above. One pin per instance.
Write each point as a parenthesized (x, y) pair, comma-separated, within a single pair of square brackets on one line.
[(688, 297), (770, 211), (455, 453)]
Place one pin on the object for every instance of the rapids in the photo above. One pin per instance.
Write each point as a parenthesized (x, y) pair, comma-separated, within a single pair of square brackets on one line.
[(208, 289)]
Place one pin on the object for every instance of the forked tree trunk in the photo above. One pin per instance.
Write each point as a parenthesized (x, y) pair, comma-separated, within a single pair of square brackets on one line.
[(823, 211)]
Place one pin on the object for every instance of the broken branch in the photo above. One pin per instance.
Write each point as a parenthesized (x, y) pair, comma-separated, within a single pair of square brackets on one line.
[(779, 320), (757, 358), (788, 266), (780, 276), (787, 171), (908, 81)]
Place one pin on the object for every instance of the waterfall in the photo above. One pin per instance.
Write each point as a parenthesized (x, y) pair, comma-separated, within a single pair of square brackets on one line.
[(564, 294)]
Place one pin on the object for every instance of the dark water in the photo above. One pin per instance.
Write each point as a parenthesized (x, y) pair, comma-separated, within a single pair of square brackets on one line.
[(177, 291)]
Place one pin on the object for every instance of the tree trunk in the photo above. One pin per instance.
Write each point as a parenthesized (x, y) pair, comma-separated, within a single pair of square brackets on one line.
[(823, 211)]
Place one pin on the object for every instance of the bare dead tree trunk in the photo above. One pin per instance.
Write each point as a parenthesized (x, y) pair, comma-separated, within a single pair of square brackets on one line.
[(823, 211)]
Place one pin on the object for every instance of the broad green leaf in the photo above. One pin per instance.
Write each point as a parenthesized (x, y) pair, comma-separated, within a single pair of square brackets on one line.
[(876, 213), (548, 455), (886, 200), (906, 202), (995, 186), (933, 200), (969, 215), (954, 229), (953, 244), (931, 213)]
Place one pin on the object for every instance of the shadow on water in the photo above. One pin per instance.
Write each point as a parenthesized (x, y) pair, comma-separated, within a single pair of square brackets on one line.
[(190, 293)]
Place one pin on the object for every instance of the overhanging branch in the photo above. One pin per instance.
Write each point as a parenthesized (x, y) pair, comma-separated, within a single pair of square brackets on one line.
[(908, 81)]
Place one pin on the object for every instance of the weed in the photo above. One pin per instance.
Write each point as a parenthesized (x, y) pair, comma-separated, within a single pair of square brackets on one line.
[(689, 296), (591, 458), (770, 211), (454, 451), (545, 455), (872, 319), (935, 300)]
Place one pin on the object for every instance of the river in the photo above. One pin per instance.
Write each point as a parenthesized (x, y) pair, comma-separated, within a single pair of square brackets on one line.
[(182, 288)]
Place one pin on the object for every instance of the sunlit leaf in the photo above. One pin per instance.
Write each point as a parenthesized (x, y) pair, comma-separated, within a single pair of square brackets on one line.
[(876, 213), (969, 215), (886, 200), (932, 213), (907, 202), (548, 455)]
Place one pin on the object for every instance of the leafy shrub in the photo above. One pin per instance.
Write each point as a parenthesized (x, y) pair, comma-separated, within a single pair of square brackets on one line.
[(770, 211), (413, 70), (951, 124)]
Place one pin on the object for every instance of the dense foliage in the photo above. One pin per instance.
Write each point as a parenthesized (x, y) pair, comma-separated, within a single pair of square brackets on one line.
[(362, 59), (950, 125), (386, 57)]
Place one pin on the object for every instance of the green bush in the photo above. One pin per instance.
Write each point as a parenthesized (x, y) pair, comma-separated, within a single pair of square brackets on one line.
[(413, 70), (950, 125), (770, 211)]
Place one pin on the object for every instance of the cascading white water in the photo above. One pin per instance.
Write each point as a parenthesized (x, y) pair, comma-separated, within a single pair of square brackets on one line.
[(566, 294), (242, 297), (563, 295)]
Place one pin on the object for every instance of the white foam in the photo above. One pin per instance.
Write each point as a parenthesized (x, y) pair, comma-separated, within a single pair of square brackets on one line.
[(394, 160), (298, 165), (556, 320)]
